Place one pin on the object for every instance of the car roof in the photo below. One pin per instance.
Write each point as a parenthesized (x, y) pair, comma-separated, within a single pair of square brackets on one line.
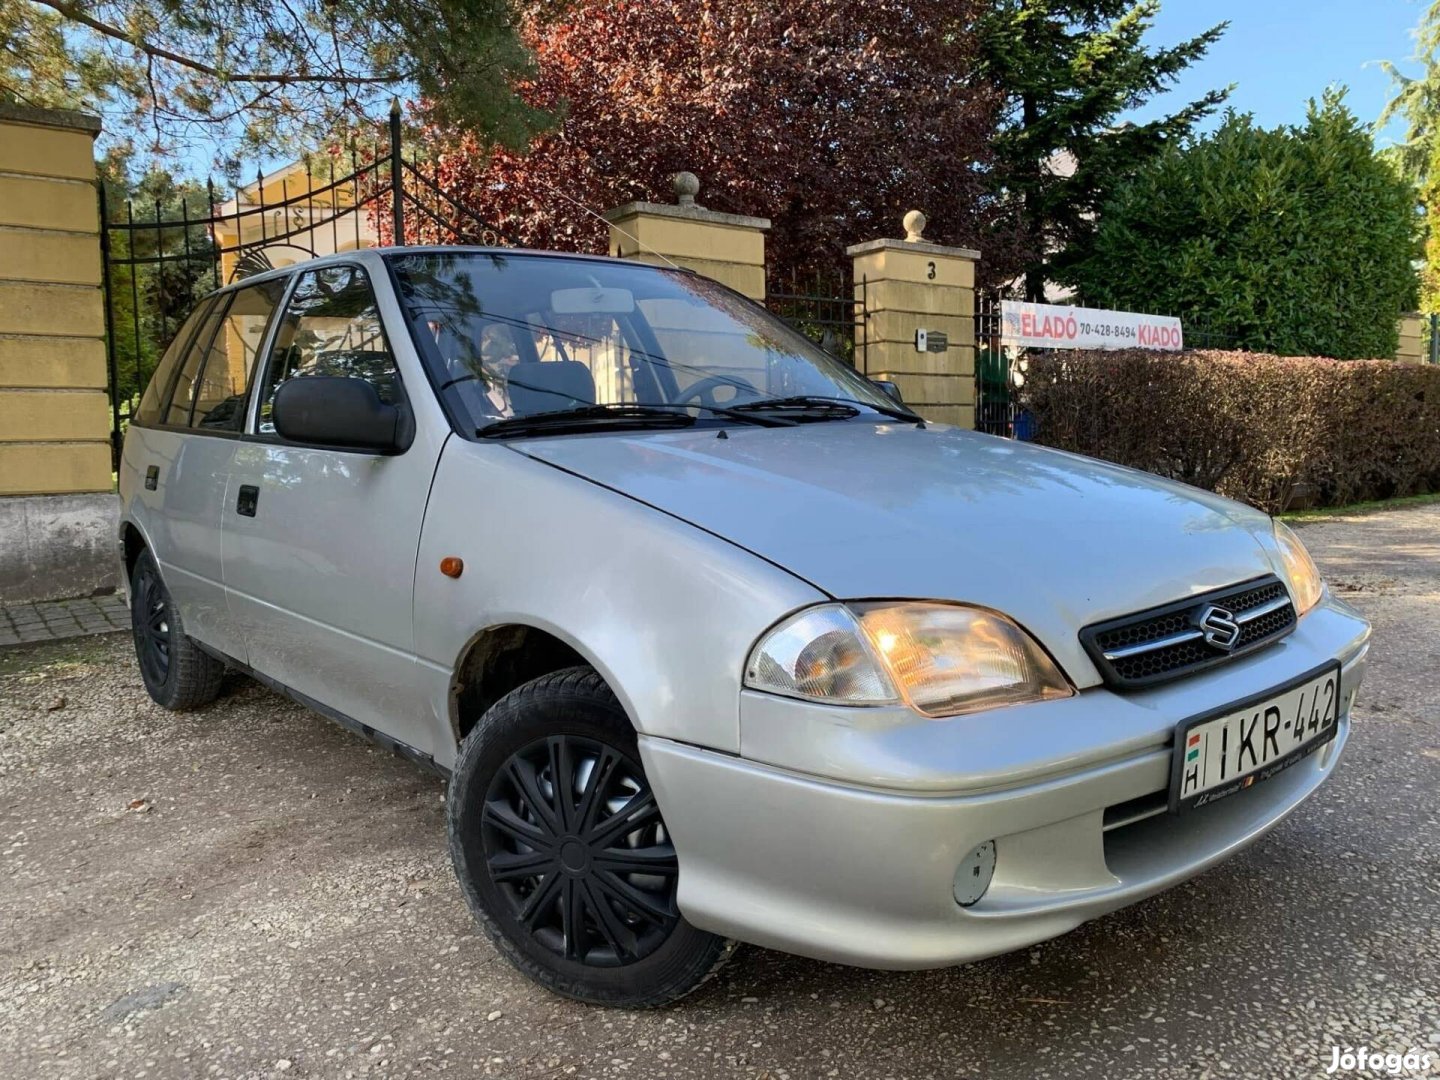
[(373, 255)]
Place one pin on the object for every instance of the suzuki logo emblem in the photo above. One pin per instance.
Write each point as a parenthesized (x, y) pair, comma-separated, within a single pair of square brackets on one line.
[(1219, 628)]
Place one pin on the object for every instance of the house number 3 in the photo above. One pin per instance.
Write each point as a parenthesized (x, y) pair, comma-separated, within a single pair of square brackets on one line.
[(931, 274)]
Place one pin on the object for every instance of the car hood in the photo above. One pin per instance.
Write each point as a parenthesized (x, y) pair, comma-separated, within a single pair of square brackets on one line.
[(865, 510)]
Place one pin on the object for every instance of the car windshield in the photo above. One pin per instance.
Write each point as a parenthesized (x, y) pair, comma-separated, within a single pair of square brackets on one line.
[(510, 336)]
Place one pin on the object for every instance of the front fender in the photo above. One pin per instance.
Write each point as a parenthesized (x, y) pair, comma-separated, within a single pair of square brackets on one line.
[(529, 620), (665, 612)]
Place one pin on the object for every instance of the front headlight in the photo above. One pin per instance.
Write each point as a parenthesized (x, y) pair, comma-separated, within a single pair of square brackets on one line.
[(941, 659), (1305, 582)]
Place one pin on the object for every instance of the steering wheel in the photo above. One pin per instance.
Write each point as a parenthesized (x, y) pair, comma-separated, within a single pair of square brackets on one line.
[(704, 392)]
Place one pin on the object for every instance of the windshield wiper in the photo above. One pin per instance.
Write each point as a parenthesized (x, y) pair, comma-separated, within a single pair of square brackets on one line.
[(838, 407), (659, 414), (732, 413), (586, 418)]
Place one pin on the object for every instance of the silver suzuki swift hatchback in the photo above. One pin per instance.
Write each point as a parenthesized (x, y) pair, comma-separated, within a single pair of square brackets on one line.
[(714, 639)]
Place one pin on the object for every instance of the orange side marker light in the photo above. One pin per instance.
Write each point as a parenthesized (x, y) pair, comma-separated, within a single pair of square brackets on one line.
[(450, 566)]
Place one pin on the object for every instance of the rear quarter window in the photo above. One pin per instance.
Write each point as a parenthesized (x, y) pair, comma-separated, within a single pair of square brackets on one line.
[(154, 400), (182, 395)]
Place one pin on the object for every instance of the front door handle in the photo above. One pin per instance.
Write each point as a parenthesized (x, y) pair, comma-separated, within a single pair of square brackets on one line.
[(249, 497)]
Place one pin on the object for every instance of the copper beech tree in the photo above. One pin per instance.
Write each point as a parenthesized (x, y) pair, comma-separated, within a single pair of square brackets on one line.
[(830, 117)]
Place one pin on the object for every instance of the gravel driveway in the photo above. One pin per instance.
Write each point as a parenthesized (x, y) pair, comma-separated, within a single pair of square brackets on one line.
[(249, 891)]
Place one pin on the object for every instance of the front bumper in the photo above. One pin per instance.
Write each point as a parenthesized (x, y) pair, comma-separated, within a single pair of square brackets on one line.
[(860, 869)]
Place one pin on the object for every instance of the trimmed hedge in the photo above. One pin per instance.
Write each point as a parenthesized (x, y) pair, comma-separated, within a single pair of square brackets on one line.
[(1273, 431)]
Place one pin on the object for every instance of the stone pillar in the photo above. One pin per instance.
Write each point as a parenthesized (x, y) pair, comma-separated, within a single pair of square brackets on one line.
[(912, 285), (57, 509), (1411, 348), (727, 247)]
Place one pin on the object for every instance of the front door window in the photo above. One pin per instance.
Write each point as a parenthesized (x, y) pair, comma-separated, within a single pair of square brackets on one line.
[(331, 327)]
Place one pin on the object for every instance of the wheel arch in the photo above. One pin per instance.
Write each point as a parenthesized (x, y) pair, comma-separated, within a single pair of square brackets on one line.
[(507, 654), (132, 542), (132, 539)]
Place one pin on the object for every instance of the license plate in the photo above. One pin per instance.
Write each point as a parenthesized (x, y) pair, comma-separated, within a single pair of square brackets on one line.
[(1231, 749)]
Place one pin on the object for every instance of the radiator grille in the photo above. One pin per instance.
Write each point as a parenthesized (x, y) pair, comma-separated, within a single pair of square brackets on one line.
[(1175, 640)]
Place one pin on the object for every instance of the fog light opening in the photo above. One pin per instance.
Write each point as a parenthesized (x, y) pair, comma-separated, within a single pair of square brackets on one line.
[(972, 876)]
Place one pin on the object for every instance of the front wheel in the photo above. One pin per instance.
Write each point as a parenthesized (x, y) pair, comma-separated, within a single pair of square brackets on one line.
[(561, 851)]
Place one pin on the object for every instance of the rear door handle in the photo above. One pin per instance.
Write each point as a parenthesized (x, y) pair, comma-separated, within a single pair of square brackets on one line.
[(152, 477), (249, 497)]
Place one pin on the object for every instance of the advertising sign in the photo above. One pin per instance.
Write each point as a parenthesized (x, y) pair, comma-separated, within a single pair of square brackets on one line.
[(1053, 326)]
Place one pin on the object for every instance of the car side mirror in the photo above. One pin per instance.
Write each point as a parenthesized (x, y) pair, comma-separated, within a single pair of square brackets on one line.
[(889, 389), (346, 413)]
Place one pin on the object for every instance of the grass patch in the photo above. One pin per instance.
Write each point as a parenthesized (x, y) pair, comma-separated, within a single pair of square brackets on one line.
[(1360, 508)]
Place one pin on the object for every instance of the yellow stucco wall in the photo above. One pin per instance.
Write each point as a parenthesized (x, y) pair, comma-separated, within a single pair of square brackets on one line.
[(54, 411), (727, 247), (908, 286)]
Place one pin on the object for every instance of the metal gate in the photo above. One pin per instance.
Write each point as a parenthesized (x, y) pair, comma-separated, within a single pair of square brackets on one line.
[(997, 410), (830, 311), (158, 263)]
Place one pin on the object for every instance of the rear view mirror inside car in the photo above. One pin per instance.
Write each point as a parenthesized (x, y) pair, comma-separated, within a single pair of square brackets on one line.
[(592, 301)]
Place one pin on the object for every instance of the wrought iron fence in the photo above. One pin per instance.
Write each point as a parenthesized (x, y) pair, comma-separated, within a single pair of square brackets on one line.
[(996, 402), (160, 260), (830, 310), (453, 221)]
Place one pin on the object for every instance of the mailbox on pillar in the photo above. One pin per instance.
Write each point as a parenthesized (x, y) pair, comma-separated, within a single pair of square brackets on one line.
[(931, 341)]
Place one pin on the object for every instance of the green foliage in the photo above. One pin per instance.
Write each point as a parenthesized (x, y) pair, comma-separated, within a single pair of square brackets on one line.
[(1296, 240), (1430, 207), (266, 77), (149, 301), (40, 67), (1417, 100), (1068, 70), (1273, 431), (1417, 157)]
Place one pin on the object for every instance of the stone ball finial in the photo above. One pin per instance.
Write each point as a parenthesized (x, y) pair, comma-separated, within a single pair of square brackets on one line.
[(914, 223), (687, 186)]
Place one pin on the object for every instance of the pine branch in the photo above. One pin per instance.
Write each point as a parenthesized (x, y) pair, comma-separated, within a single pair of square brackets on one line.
[(155, 52)]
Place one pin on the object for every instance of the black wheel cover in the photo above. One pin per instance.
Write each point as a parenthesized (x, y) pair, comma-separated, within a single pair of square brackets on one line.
[(150, 610), (574, 842)]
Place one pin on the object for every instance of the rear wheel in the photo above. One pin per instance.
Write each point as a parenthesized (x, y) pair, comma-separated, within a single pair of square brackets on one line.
[(562, 853), (177, 674)]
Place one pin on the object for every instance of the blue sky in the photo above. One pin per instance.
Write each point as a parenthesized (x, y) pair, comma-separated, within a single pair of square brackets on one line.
[(1280, 53)]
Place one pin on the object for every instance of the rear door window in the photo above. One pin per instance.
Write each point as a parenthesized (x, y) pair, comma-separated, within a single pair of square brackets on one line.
[(229, 364)]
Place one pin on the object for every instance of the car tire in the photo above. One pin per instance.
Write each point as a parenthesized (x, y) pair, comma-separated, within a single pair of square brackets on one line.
[(177, 674), (535, 862)]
